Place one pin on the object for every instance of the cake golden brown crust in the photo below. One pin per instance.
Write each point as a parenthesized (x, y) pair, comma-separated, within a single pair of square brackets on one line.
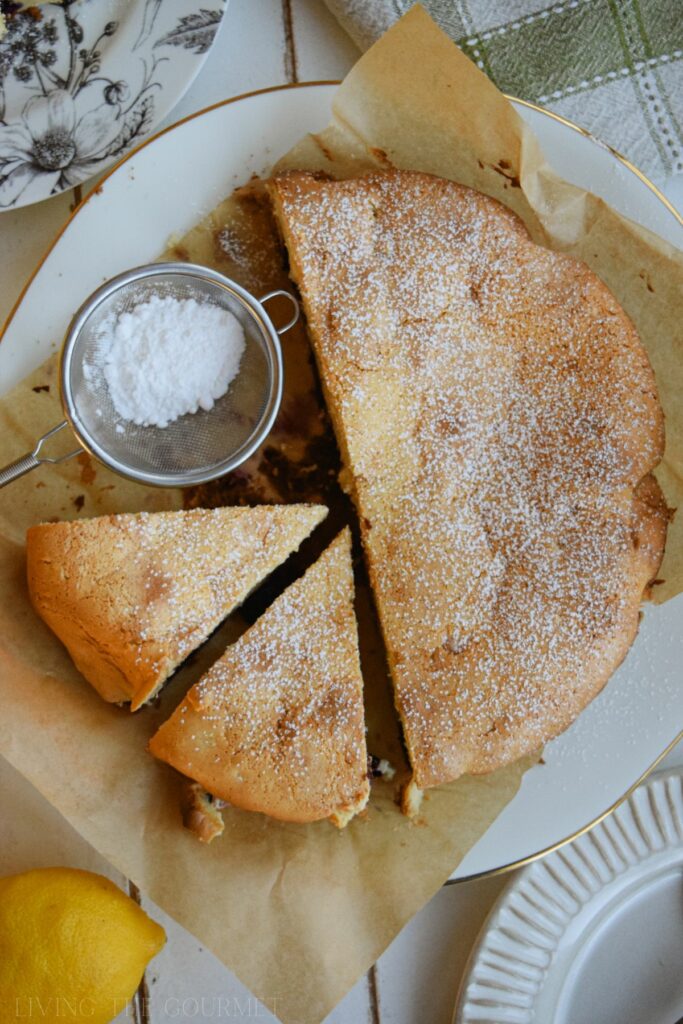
[(277, 724), (498, 420), (131, 596)]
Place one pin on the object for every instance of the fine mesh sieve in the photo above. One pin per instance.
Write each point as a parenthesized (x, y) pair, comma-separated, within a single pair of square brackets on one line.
[(198, 446)]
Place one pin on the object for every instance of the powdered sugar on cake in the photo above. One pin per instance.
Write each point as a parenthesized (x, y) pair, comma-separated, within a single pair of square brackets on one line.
[(498, 414), (152, 587), (276, 725), (189, 575)]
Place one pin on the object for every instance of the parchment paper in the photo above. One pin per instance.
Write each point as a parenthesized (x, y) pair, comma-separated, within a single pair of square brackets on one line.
[(300, 912)]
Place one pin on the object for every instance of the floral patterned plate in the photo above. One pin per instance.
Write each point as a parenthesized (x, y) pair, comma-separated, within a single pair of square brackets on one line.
[(82, 81)]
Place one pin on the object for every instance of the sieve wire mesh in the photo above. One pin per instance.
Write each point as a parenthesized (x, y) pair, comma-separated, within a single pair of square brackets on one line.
[(198, 444)]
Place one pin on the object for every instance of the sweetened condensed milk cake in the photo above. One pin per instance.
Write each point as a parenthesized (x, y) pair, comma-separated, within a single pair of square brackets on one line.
[(277, 725), (498, 421), (131, 596)]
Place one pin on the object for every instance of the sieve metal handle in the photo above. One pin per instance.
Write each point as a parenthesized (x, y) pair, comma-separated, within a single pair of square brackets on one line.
[(33, 458), (294, 302)]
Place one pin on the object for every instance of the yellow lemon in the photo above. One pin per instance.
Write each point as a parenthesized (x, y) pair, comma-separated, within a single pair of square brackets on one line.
[(73, 947)]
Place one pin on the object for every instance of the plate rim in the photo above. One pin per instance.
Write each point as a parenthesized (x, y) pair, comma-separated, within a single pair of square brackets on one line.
[(95, 190), (281, 88), (523, 862), (514, 886), (603, 145)]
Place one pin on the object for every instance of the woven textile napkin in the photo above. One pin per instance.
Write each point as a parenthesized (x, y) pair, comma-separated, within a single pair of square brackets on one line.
[(614, 67)]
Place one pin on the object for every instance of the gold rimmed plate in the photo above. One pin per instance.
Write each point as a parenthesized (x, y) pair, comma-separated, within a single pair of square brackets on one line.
[(128, 220)]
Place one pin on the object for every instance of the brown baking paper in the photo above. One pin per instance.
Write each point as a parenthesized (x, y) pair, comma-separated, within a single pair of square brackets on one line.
[(300, 912)]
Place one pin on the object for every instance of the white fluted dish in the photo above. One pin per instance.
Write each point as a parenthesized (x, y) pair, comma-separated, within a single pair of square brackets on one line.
[(594, 931)]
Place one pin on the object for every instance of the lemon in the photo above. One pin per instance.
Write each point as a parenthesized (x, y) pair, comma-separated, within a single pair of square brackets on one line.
[(73, 947)]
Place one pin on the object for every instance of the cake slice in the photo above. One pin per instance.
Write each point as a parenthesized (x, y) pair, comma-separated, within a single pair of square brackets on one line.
[(499, 421), (277, 724), (131, 596)]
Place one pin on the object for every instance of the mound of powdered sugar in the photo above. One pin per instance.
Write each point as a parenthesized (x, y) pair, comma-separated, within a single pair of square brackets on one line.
[(167, 357)]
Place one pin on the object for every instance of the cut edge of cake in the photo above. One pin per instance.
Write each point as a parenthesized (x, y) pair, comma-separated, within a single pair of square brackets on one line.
[(277, 724), (107, 587)]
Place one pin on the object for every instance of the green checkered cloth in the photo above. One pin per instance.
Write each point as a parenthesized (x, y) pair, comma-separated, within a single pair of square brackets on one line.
[(613, 66)]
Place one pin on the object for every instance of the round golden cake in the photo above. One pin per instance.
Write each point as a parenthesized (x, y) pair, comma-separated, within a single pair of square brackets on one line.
[(499, 421)]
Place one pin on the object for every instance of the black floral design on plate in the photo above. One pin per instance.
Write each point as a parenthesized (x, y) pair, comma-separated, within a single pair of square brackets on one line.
[(194, 32), (70, 118)]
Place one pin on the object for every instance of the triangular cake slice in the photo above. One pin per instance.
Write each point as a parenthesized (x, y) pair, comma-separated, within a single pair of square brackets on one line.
[(277, 724), (131, 596), (499, 421)]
